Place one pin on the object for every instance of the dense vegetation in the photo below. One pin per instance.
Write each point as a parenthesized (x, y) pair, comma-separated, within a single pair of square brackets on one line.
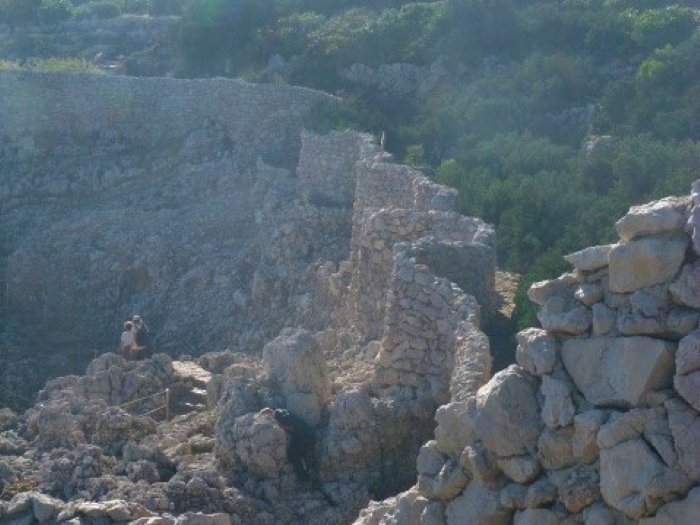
[(551, 116)]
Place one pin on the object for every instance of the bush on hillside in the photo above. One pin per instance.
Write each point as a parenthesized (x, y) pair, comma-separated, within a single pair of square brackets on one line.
[(53, 11), (98, 9)]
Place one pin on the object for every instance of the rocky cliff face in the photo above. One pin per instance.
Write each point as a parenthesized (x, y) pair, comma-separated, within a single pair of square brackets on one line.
[(598, 420)]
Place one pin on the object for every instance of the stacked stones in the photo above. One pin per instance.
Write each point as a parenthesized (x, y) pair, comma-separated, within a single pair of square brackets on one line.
[(598, 423)]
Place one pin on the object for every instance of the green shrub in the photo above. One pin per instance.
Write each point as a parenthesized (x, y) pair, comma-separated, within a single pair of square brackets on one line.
[(52, 11), (65, 65), (98, 9), (19, 12)]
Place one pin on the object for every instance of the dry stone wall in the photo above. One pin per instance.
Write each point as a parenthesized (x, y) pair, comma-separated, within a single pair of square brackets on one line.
[(598, 420), (383, 284)]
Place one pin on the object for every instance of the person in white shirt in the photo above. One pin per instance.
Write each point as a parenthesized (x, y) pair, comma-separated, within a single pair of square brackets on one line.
[(126, 342)]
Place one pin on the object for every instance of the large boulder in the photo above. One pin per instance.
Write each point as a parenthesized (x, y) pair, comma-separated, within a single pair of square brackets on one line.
[(638, 463), (618, 371), (685, 429), (507, 417), (686, 288), (295, 362), (661, 216), (537, 351), (645, 262)]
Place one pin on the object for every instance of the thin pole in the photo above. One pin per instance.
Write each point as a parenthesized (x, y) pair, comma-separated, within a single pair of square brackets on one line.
[(167, 404)]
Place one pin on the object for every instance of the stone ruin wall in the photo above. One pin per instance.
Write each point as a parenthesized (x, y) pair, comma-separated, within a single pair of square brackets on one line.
[(599, 420), (333, 228)]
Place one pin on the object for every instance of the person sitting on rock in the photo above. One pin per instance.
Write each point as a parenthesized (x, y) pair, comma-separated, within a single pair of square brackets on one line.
[(126, 342), (142, 338), (301, 442)]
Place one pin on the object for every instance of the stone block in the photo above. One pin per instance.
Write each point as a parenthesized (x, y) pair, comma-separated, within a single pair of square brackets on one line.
[(645, 262), (618, 371), (665, 215)]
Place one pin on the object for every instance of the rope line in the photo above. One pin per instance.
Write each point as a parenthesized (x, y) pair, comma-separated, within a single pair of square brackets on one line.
[(163, 392)]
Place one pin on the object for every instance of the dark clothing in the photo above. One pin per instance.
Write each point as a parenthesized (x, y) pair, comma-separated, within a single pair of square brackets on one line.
[(143, 343), (301, 443)]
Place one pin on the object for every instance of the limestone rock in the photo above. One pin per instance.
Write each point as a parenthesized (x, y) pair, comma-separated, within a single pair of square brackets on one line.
[(560, 316), (589, 293), (580, 489), (537, 351), (684, 423), (295, 361), (258, 444), (686, 288), (507, 416), (645, 262), (540, 291), (558, 408), (521, 469), (477, 505), (661, 216), (480, 462), (586, 427), (554, 446), (603, 319), (687, 378), (682, 512), (454, 428), (637, 463), (589, 259), (618, 371), (446, 484)]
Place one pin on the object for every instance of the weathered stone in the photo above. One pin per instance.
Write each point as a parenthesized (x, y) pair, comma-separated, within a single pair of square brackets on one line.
[(586, 426), (661, 216), (603, 319), (644, 263), (559, 316), (536, 517), (537, 351), (580, 489), (294, 360), (687, 378), (454, 428), (45, 507), (589, 293), (478, 504), (684, 423), (521, 469), (554, 448), (507, 413), (589, 259), (540, 494), (429, 461), (686, 288), (480, 462), (445, 484), (564, 285), (682, 512), (558, 408), (637, 463), (618, 371)]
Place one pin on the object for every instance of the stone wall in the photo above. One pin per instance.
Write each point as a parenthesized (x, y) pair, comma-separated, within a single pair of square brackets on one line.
[(598, 422)]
